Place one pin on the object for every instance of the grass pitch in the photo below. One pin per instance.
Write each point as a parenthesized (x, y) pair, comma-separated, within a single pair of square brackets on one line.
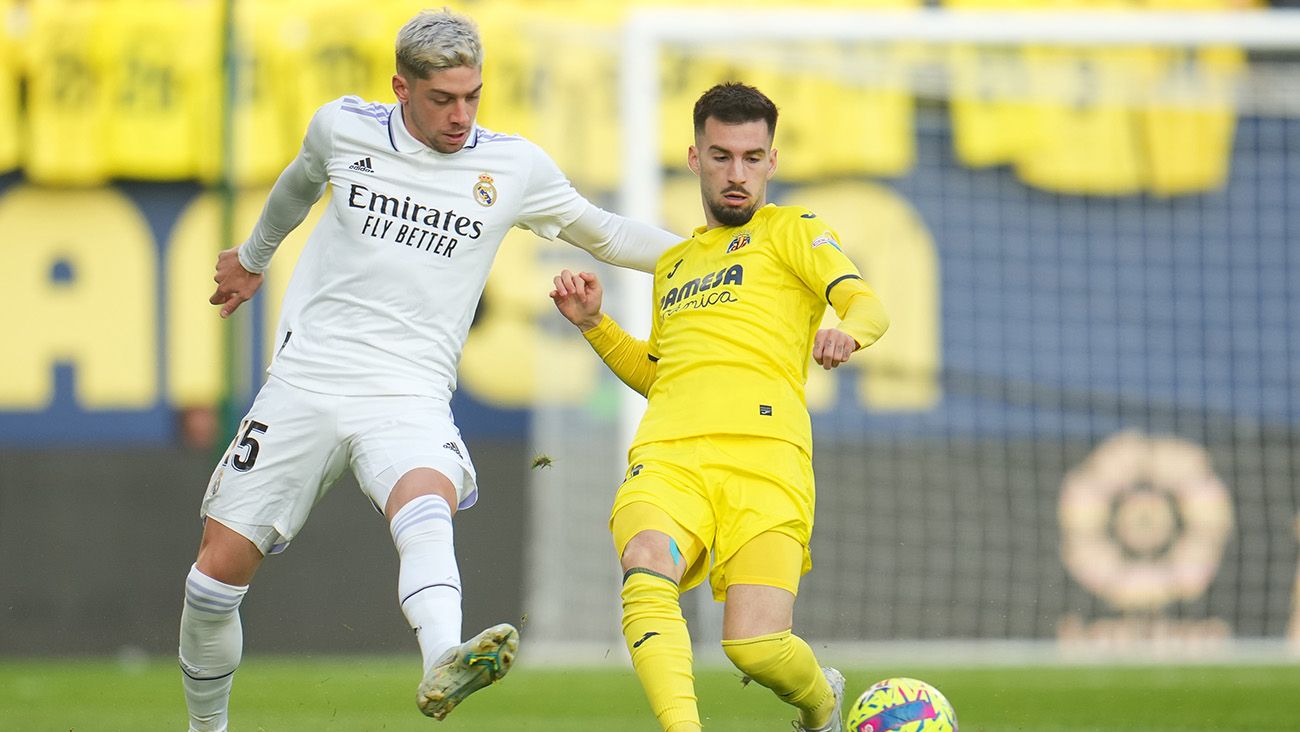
[(303, 694)]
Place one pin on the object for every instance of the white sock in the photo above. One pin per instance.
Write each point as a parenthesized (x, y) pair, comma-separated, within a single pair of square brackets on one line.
[(212, 642), (428, 582)]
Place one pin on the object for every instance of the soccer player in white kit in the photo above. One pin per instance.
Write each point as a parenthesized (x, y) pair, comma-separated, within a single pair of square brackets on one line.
[(373, 324)]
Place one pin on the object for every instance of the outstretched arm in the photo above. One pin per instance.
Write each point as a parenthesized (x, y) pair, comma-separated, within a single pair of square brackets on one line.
[(578, 298), (616, 240), (299, 187)]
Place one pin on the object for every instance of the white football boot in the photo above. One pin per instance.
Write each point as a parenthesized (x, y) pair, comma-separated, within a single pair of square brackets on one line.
[(836, 680), (464, 669)]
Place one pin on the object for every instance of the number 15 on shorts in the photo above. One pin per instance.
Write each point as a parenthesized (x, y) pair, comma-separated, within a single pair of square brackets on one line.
[(243, 451)]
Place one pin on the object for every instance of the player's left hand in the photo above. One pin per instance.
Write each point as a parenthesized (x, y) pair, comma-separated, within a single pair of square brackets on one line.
[(578, 296), (235, 284), (832, 347)]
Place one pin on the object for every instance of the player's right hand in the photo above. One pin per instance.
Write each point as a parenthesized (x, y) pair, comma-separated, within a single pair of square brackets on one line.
[(578, 297), (235, 285)]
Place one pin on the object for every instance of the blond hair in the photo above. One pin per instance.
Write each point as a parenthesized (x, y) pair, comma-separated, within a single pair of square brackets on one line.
[(437, 40)]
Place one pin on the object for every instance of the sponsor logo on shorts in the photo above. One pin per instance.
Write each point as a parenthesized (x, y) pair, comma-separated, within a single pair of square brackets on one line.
[(454, 448)]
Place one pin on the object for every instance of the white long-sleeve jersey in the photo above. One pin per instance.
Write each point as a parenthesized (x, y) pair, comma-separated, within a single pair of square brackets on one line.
[(381, 299)]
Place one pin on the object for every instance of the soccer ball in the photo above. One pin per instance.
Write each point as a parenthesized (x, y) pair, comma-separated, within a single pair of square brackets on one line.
[(902, 705)]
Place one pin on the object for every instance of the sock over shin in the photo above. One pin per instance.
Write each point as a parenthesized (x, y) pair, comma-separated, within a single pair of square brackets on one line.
[(784, 663), (428, 582), (211, 644), (660, 645)]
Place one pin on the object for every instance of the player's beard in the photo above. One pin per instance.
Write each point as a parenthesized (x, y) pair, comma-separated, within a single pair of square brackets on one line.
[(732, 215)]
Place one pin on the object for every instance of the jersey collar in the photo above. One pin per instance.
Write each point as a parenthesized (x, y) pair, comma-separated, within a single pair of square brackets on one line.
[(404, 142)]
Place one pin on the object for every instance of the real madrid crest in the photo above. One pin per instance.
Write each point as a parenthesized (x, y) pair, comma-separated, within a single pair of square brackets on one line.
[(484, 192), (738, 242)]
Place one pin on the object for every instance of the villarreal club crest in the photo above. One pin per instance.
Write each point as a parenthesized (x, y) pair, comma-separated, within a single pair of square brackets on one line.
[(738, 242)]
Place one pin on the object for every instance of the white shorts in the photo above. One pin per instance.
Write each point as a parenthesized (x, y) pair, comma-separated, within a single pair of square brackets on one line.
[(293, 444)]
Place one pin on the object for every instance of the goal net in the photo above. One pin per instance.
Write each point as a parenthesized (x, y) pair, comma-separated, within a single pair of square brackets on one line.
[(1080, 433)]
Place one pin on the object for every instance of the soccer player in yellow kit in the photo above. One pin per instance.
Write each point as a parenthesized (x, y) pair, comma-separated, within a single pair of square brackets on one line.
[(722, 461)]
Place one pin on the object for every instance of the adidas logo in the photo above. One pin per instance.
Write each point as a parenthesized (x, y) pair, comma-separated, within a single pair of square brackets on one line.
[(453, 447), (362, 165)]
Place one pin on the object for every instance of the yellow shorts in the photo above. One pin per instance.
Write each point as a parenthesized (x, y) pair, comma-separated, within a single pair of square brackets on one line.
[(724, 491)]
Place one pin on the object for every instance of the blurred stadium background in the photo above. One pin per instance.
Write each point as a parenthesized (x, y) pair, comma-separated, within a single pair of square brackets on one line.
[(1078, 441)]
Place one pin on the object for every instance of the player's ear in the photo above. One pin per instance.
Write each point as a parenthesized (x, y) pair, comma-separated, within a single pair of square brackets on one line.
[(771, 164), (693, 159), (400, 88)]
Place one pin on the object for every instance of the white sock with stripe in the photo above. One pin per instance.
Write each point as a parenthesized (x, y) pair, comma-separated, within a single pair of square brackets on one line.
[(212, 642), (428, 582)]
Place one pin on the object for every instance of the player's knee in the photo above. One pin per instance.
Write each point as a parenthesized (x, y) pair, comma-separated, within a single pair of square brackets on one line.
[(426, 518), (207, 597), (227, 556), (415, 484), (758, 655), (652, 550), (738, 657)]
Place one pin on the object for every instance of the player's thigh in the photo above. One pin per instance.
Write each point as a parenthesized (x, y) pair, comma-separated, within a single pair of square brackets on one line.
[(759, 486), (284, 456), (762, 580), (771, 559), (397, 440), (660, 494)]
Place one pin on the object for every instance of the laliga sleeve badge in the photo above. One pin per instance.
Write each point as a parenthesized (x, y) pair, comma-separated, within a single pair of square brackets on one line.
[(484, 192), (827, 239)]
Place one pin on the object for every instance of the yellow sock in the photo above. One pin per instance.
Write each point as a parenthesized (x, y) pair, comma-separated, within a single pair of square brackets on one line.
[(661, 648), (784, 663)]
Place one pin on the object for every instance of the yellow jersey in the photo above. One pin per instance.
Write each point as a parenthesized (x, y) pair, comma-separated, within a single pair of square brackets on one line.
[(735, 313)]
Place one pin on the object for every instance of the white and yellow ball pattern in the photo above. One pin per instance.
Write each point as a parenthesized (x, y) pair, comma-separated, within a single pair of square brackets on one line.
[(902, 705)]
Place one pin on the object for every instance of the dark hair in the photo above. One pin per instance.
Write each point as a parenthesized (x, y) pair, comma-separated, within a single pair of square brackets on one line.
[(734, 103)]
